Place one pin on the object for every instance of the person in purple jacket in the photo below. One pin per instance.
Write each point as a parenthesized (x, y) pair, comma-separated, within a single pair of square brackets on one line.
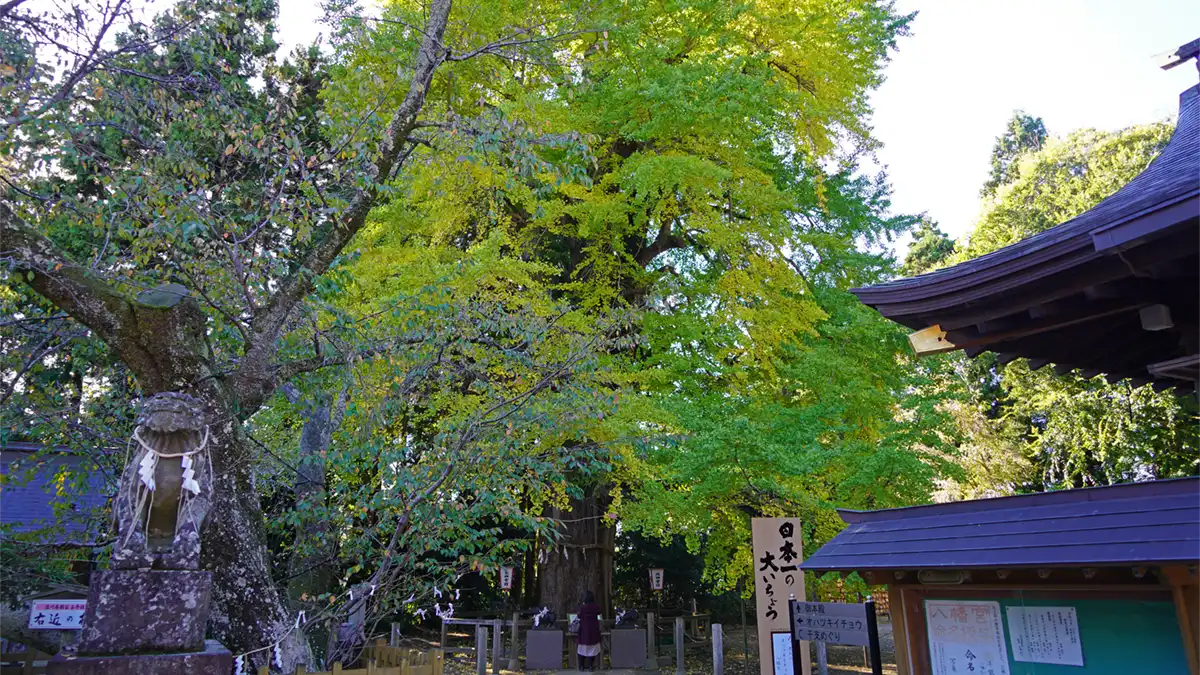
[(589, 632)]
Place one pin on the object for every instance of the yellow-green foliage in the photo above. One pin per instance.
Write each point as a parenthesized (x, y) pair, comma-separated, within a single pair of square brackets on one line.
[(681, 158)]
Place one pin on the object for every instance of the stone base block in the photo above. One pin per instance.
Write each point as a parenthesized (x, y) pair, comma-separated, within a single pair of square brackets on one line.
[(214, 660), (628, 648), (131, 611), (544, 650)]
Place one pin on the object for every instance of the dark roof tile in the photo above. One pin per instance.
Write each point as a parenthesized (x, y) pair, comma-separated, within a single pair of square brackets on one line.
[(1138, 523)]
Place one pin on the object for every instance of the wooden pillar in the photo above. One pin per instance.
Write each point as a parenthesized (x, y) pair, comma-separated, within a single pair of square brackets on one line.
[(497, 644), (898, 614), (679, 636), (481, 636), (651, 643), (514, 661), (445, 628), (1185, 589), (718, 645)]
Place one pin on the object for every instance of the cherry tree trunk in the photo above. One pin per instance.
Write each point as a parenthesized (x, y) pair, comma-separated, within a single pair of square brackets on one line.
[(583, 558), (168, 352)]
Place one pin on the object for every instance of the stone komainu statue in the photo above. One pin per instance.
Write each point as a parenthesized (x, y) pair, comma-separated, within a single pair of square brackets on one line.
[(166, 490)]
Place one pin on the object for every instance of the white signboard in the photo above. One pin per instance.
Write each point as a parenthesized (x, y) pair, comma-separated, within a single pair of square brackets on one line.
[(781, 653), (506, 578), (57, 614), (837, 622), (966, 637), (656, 579), (1045, 635)]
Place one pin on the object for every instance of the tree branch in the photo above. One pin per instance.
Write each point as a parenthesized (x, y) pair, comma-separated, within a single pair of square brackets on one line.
[(55, 277), (271, 319)]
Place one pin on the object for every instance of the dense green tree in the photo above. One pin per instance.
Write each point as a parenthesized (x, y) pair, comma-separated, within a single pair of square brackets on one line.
[(1025, 133), (715, 200), (1072, 431), (200, 160), (930, 249)]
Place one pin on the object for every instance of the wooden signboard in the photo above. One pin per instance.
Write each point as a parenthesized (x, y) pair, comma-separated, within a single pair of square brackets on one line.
[(836, 622), (777, 556)]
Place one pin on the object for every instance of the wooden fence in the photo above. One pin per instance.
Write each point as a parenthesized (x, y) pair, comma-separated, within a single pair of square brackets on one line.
[(380, 659)]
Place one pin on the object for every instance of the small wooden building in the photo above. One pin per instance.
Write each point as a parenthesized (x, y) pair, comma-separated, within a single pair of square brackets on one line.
[(1101, 580), (1121, 560)]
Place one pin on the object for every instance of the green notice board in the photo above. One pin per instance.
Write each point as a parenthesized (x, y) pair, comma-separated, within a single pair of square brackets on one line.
[(1119, 637)]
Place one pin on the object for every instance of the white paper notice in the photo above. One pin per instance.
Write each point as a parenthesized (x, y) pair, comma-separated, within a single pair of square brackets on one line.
[(966, 637), (1045, 635), (781, 648)]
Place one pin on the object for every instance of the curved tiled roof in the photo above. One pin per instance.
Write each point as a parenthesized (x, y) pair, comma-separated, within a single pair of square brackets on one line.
[(1146, 523), (1172, 177)]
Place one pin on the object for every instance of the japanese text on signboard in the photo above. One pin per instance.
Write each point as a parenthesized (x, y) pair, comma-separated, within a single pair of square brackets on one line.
[(965, 636), (57, 614), (656, 579), (772, 566), (836, 622)]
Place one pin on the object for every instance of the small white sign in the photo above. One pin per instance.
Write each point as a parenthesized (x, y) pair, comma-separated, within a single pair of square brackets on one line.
[(966, 636), (781, 650), (506, 578), (656, 579), (836, 622), (57, 614), (1045, 635)]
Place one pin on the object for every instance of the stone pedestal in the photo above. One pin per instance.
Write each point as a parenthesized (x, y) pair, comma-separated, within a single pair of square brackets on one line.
[(213, 660), (544, 650), (145, 611), (628, 648)]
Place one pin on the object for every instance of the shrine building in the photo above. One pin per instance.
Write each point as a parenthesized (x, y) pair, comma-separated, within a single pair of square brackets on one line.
[(1098, 580)]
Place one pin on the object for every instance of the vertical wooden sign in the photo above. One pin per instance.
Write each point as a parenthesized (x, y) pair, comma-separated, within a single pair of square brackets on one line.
[(777, 555), (506, 578)]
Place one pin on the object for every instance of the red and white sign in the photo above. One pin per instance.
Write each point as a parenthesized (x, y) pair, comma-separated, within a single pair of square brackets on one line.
[(506, 578), (656, 579), (57, 614)]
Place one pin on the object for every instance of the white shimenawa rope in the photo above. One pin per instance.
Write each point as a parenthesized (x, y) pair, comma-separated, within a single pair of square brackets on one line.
[(190, 486)]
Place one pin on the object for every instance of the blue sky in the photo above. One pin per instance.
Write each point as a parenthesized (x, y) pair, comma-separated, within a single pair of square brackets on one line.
[(969, 63)]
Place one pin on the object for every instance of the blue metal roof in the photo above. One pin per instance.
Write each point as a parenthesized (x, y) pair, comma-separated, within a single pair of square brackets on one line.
[(30, 490), (1154, 522)]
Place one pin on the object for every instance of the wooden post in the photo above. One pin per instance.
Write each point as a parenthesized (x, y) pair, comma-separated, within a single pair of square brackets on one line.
[(264, 670), (718, 644), (497, 644), (445, 634), (822, 658), (873, 634), (394, 637), (1183, 591), (337, 668), (301, 670), (27, 669), (679, 646), (514, 662), (898, 620), (745, 633), (480, 650), (651, 643)]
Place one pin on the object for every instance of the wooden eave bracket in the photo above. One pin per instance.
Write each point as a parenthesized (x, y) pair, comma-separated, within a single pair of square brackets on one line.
[(930, 341)]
